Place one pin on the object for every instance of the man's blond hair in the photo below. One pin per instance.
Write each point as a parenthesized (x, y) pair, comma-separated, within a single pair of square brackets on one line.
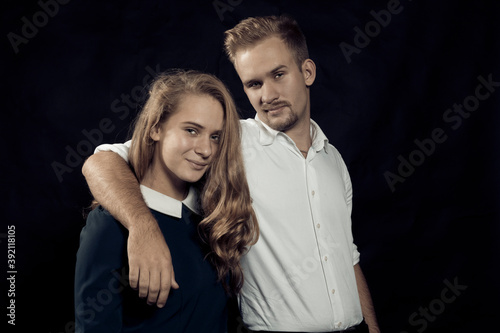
[(252, 30)]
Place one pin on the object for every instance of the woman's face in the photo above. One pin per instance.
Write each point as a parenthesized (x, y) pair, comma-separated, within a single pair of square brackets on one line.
[(187, 142)]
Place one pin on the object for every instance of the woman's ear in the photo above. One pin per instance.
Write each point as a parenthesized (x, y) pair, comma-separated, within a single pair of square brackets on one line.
[(155, 131), (309, 71)]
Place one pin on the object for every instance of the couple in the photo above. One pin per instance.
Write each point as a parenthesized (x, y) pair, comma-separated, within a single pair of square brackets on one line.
[(301, 275)]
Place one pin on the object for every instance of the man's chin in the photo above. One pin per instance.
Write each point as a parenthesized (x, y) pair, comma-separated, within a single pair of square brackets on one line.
[(278, 122), (281, 126)]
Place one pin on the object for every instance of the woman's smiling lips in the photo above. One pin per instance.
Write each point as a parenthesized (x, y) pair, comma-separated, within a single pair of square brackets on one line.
[(197, 165)]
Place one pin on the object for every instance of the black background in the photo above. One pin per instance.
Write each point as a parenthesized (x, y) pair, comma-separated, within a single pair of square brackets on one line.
[(72, 73)]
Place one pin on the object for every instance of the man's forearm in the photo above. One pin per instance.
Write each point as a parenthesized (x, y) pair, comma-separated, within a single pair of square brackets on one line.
[(115, 187), (366, 300)]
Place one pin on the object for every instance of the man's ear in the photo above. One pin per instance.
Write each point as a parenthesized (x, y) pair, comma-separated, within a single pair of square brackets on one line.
[(309, 71)]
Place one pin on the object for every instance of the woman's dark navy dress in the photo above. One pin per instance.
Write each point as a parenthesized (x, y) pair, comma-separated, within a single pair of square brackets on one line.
[(104, 302)]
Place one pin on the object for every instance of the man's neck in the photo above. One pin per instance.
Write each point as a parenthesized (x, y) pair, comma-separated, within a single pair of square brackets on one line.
[(301, 136)]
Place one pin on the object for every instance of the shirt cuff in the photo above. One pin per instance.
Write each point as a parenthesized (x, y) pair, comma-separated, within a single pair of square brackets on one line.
[(119, 148), (355, 255)]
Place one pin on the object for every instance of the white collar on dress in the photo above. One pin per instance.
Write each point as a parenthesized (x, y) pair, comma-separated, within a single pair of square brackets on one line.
[(167, 205)]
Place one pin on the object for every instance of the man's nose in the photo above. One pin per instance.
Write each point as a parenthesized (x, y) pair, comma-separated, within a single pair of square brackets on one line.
[(269, 93)]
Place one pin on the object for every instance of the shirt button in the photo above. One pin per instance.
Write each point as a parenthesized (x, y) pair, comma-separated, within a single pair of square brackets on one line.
[(339, 324), (318, 225), (313, 193), (333, 291), (326, 258)]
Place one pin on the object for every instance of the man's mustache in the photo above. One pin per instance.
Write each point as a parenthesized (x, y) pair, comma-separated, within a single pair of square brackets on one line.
[(274, 105)]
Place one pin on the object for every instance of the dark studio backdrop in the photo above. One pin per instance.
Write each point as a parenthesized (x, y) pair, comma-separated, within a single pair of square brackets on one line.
[(408, 91)]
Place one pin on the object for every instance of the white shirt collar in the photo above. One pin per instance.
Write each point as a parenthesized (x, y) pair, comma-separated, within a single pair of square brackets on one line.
[(167, 205), (267, 134)]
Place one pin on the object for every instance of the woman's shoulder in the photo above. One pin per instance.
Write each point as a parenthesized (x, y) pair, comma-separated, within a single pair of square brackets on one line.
[(99, 213), (101, 225)]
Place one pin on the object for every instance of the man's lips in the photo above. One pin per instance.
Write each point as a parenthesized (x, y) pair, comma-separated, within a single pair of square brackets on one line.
[(274, 108)]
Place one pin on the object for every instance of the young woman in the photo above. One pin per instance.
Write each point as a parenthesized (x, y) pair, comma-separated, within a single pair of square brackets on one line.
[(185, 152)]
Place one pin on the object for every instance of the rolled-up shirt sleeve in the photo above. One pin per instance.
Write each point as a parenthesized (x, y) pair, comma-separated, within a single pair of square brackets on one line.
[(355, 255), (119, 148), (348, 190)]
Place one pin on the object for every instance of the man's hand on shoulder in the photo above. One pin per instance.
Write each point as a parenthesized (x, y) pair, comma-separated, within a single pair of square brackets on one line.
[(151, 270), (115, 186)]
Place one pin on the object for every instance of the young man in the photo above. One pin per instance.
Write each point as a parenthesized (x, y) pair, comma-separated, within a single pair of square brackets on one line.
[(303, 274)]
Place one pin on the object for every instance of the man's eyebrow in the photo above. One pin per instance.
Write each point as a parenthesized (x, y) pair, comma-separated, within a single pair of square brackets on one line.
[(280, 67), (272, 71), (246, 83)]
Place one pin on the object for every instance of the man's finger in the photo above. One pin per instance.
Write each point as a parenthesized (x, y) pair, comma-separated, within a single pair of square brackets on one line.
[(162, 297), (133, 276), (143, 283), (173, 282), (167, 282), (154, 287)]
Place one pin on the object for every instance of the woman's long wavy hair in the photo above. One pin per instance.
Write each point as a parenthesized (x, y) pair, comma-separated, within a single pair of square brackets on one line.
[(229, 224)]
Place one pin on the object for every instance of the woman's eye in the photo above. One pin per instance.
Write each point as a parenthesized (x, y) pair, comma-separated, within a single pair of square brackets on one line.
[(216, 137), (191, 131)]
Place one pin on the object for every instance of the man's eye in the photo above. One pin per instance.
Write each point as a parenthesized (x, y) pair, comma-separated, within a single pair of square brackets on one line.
[(278, 75), (216, 138), (191, 131), (254, 85)]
